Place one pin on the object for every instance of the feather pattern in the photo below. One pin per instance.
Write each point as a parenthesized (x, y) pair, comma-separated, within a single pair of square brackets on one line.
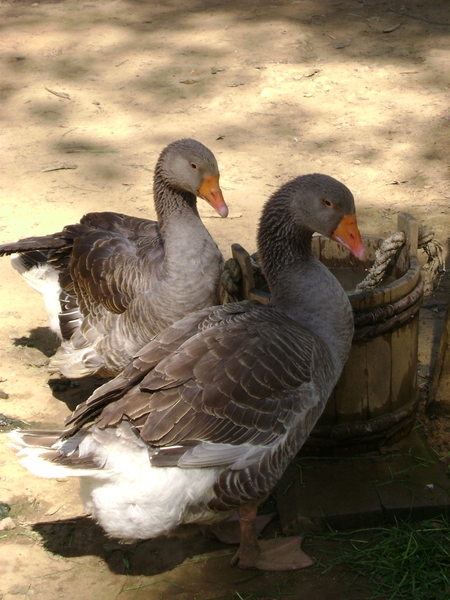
[(114, 281), (215, 406)]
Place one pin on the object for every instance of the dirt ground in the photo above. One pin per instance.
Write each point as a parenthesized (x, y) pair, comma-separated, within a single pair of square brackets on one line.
[(90, 93)]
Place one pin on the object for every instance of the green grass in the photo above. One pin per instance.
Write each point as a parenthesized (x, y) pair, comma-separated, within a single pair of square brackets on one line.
[(402, 562)]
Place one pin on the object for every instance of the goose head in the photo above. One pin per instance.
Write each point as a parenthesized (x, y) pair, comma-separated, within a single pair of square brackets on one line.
[(307, 204), (324, 205), (189, 166)]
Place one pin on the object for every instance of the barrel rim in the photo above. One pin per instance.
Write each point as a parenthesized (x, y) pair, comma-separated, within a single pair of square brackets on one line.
[(363, 435), (380, 294)]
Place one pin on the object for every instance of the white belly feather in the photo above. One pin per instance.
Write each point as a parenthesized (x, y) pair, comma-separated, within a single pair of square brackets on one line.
[(128, 496)]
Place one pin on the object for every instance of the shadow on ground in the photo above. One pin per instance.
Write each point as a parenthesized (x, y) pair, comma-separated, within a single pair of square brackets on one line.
[(82, 537)]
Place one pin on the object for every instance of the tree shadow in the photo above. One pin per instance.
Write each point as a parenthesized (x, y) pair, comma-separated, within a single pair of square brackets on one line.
[(161, 33)]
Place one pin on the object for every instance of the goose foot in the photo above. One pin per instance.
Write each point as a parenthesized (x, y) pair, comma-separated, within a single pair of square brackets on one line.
[(278, 554)]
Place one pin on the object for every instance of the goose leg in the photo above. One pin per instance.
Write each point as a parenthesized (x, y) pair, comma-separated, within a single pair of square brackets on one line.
[(279, 554), (229, 531)]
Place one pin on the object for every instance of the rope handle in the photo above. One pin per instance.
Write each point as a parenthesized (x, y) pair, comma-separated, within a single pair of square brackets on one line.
[(427, 242), (231, 275)]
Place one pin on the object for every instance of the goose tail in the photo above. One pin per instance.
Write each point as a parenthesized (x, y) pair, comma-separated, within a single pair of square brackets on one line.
[(43, 278), (74, 362), (45, 454)]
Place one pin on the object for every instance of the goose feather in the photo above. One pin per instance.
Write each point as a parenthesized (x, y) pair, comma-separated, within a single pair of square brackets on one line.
[(207, 416), (112, 281)]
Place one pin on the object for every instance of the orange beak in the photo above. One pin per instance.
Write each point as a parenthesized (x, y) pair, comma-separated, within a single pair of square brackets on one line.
[(211, 192), (347, 234)]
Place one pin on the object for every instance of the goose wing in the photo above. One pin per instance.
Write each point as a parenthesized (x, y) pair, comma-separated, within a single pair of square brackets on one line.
[(223, 387), (101, 260), (109, 264)]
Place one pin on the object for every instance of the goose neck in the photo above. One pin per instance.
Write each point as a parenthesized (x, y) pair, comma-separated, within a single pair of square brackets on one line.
[(302, 287), (169, 201)]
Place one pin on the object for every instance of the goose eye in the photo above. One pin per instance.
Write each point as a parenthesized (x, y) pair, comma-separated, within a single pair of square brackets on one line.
[(328, 203), (193, 165)]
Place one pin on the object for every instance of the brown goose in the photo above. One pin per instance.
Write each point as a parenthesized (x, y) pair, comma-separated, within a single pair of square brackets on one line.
[(111, 282), (208, 415)]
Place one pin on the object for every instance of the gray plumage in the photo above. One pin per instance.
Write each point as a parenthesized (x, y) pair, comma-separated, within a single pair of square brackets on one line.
[(248, 380), (123, 279), (207, 415)]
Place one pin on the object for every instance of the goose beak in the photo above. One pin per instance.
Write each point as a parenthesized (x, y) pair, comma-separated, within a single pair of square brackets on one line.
[(347, 234), (211, 192)]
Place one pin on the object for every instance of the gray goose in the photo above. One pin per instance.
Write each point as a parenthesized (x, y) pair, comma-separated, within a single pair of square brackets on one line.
[(111, 282), (207, 416)]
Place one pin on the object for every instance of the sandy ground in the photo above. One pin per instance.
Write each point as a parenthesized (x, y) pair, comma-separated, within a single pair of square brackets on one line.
[(90, 93)]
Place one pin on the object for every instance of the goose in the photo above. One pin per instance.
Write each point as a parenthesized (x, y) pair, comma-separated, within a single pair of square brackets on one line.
[(207, 416), (112, 281)]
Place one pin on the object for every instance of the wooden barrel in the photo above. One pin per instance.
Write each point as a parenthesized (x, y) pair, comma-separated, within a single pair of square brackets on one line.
[(375, 400)]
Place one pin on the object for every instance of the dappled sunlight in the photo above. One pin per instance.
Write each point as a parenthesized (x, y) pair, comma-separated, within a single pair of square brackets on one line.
[(90, 93)]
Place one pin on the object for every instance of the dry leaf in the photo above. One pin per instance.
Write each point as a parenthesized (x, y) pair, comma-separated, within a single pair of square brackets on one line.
[(340, 45), (59, 94), (393, 28), (60, 167), (311, 72)]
